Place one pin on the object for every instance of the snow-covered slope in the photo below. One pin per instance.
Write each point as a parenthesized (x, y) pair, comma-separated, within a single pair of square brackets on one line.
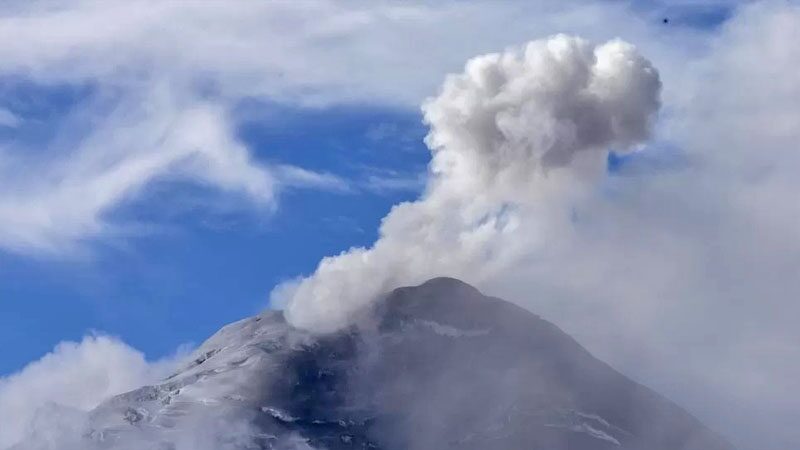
[(432, 367)]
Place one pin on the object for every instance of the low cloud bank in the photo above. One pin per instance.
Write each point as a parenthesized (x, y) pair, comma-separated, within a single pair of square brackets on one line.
[(44, 402)]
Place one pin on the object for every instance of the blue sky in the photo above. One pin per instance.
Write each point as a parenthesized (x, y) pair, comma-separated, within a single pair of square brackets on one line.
[(201, 267), (164, 166)]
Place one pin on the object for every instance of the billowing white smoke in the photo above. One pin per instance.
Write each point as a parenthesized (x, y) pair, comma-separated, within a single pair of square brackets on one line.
[(515, 138)]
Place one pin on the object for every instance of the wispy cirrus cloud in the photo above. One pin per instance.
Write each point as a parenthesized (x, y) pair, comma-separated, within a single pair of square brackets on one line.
[(164, 77), (392, 181), (8, 119)]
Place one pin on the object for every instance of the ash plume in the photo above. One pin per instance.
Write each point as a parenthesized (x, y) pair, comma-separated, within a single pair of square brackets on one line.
[(514, 138)]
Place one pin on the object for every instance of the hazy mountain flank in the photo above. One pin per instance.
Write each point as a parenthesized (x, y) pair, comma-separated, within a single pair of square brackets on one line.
[(435, 366)]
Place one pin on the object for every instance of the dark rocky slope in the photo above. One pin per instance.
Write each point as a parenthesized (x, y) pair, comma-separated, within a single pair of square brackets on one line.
[(432, 367)]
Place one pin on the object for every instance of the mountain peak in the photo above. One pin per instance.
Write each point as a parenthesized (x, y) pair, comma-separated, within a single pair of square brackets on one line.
[(447, 368), (449, 283)]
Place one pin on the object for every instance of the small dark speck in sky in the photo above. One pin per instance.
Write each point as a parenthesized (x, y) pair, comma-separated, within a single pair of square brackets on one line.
[(666, 20)]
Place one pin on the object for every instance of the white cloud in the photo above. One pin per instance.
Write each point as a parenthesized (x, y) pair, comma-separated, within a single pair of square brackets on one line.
[(296, 176), (387, 180), (157, 67), (311, 52), (8, 119), (135, 145), (76, 376)]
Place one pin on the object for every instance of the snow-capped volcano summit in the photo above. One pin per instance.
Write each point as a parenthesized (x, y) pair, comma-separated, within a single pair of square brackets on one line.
[(431, 367)]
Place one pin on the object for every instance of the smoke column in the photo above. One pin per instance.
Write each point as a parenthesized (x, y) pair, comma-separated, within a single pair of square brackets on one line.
[(515, 139)]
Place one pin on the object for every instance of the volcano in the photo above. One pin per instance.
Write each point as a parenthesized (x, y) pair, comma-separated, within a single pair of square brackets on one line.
[(430, 367)]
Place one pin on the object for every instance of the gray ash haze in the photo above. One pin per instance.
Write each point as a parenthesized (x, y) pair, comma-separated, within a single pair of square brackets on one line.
[(635, 186)]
